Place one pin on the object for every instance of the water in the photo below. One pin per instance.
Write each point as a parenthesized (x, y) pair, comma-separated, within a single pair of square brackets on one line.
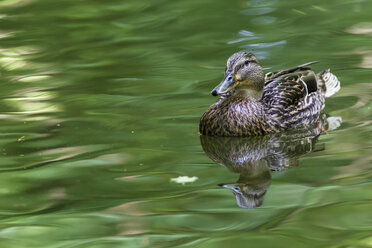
[(99, 111)]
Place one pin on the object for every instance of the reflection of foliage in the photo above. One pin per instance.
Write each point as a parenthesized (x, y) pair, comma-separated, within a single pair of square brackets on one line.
[(107, 95), (32, 92)]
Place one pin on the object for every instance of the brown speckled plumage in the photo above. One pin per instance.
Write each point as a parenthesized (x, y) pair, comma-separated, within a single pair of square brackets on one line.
[(234, 116), (259, 104)]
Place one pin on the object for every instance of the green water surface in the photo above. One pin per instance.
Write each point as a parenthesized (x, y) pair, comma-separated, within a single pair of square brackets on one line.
[(99, 110)]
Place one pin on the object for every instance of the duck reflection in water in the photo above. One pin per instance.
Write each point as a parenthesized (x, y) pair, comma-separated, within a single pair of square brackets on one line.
[(255, 157)]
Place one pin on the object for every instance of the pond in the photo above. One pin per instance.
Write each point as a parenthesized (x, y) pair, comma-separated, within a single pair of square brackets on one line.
[(99, 113)]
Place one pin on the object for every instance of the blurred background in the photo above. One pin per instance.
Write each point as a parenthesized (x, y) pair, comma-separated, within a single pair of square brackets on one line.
[(99, 110)]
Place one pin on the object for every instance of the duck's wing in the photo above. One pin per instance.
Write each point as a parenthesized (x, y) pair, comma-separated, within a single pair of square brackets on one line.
[(292, 99), (290, 88), (271, 75)]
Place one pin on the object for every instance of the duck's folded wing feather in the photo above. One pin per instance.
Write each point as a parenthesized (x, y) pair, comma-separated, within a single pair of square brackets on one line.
[(272, 75), (289, 89), (291, 99)]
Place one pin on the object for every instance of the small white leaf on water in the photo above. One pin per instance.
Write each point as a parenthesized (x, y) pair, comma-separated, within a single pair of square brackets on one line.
[(184, 179)]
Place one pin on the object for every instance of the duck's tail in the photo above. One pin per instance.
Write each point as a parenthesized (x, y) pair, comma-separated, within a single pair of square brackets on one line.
[(331, 83)]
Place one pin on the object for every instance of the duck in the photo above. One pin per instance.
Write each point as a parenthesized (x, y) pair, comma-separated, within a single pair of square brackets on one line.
[(253, 103)]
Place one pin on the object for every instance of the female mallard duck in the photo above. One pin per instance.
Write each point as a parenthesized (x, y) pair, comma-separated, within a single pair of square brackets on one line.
[(252, 103)]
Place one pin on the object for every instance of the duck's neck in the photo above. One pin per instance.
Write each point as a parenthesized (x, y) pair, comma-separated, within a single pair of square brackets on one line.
[(251, 94), (251, 88)]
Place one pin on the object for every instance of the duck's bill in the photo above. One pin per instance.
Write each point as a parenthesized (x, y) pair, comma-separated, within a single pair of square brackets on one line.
[(233, 186), (226, 86)]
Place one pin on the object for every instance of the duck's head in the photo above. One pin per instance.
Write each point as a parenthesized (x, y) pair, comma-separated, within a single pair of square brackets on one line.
[(244, 75)]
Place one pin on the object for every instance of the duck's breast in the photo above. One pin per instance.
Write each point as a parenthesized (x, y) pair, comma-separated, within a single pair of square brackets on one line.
[(234, 117)]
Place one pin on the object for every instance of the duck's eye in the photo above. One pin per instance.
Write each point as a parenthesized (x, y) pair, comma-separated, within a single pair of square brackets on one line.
[(246, 62)]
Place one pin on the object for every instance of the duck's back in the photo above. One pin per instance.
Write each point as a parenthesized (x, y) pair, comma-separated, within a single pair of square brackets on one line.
[(294, 100), (234, 116)]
